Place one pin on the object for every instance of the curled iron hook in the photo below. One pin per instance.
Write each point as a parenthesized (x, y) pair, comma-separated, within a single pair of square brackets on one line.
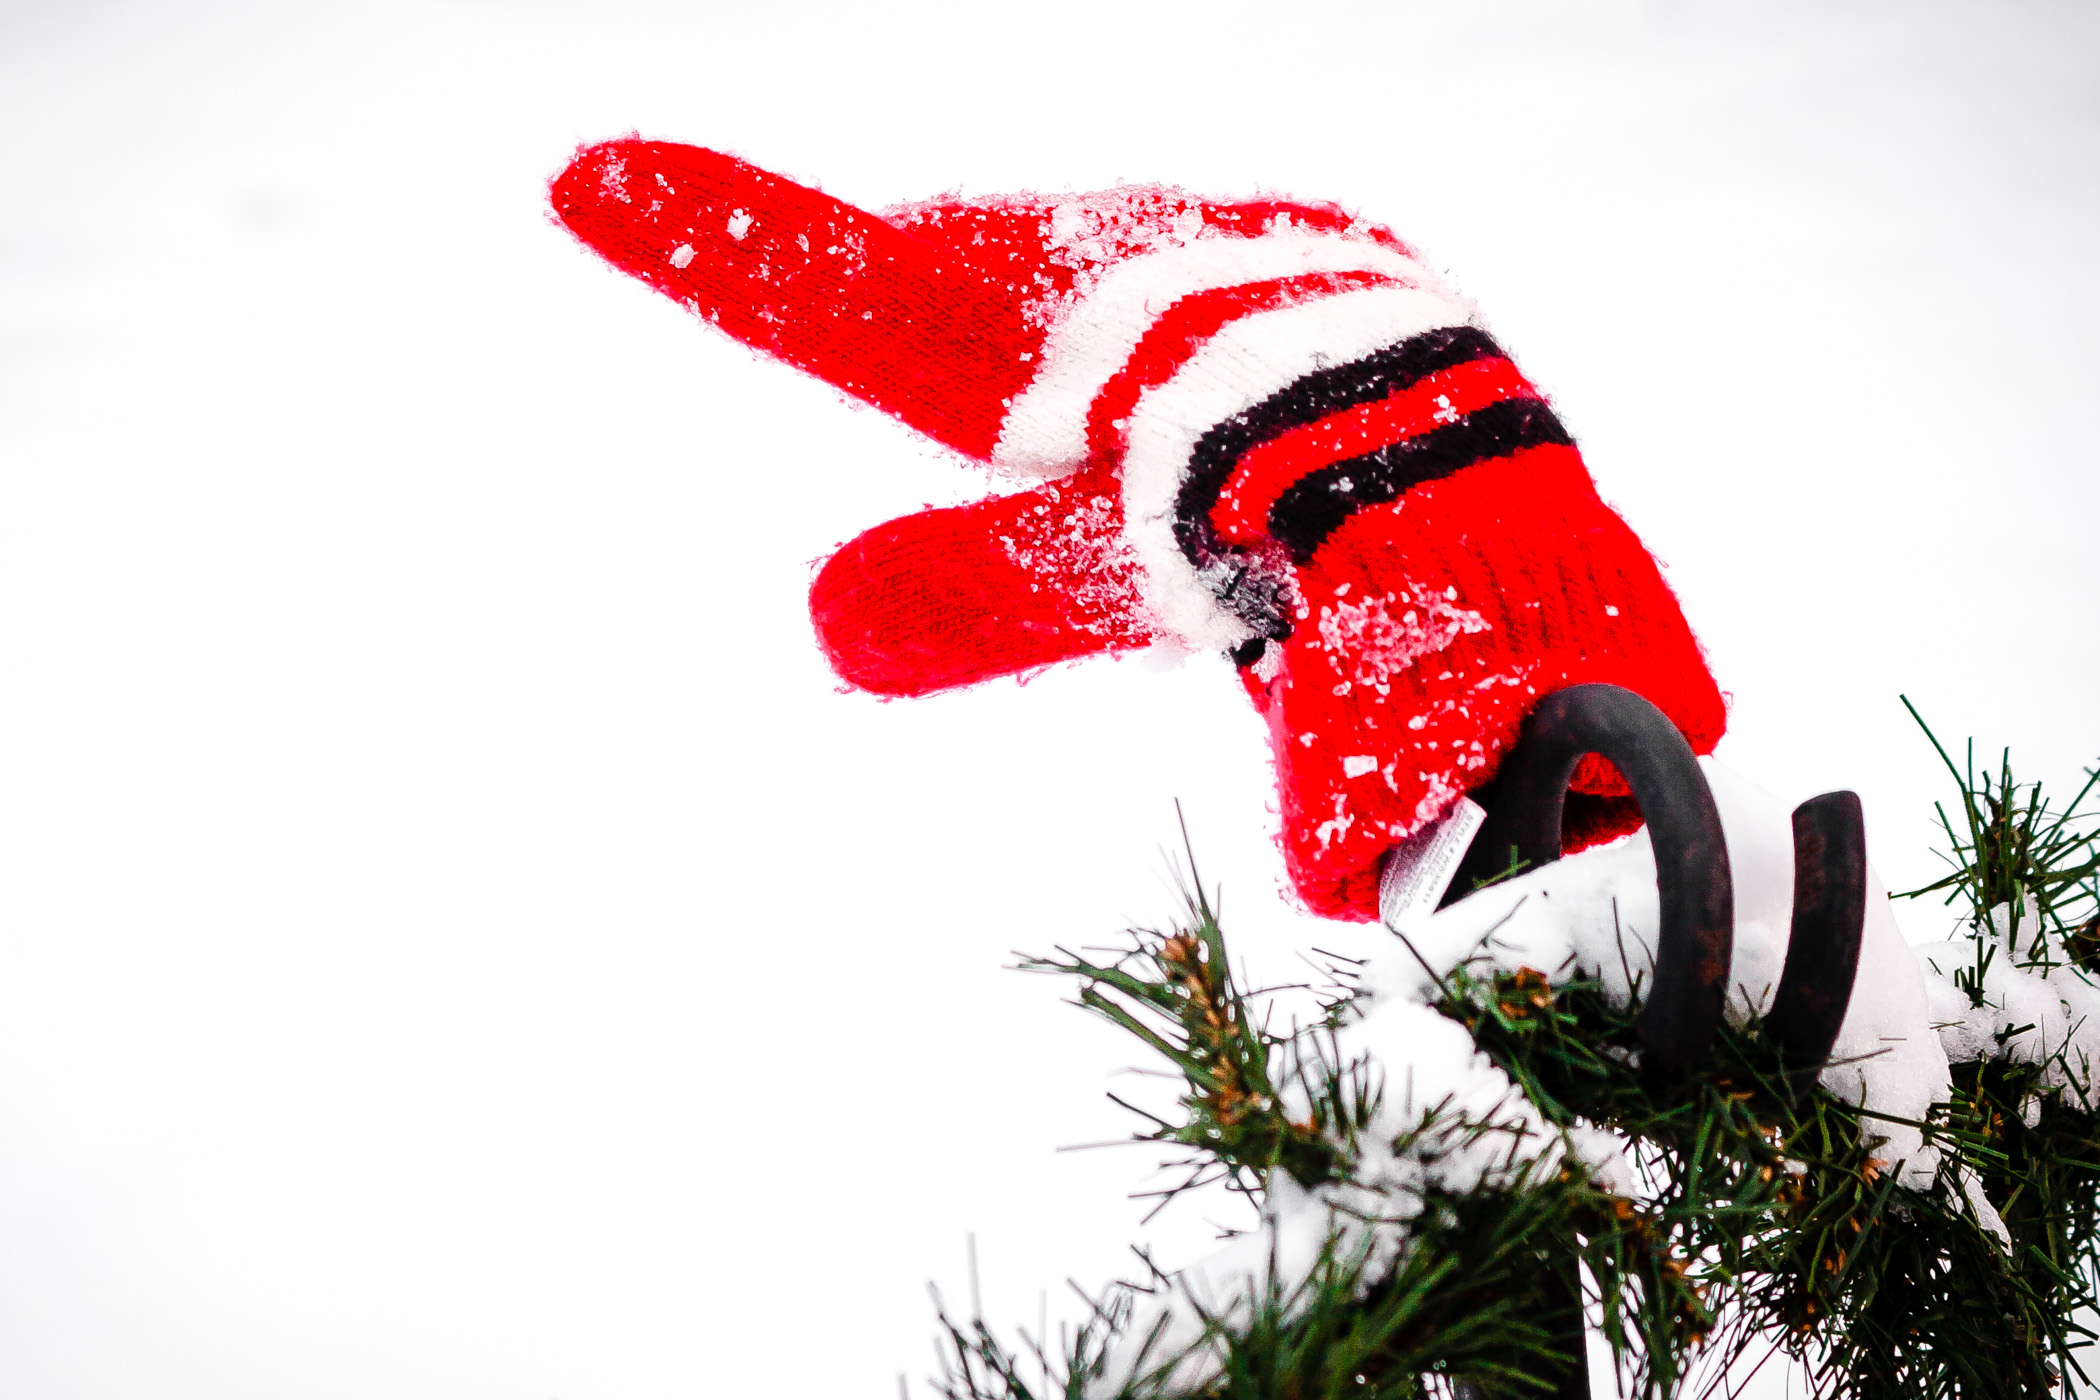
[(1822, 951), (1696, 940)]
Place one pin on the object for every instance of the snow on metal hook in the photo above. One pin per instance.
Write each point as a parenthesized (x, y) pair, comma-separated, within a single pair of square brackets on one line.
[(1696, 938)]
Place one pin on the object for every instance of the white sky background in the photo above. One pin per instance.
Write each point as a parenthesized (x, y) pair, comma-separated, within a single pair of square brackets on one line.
[(455, 941)]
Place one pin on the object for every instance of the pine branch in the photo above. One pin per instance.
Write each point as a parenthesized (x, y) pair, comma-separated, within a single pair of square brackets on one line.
[(1176, 993), (1766, 1216)]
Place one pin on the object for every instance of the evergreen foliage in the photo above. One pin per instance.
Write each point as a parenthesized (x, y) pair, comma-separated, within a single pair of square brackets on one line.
[(1764, 1219)]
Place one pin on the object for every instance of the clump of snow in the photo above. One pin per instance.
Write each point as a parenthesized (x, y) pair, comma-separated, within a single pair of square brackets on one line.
[(1336, 826), (1087, 234), (739, 224), (1439, 791), (1373, 639), (1596, 914), (1077, 551), (1448, 1121), (2030, 1004)]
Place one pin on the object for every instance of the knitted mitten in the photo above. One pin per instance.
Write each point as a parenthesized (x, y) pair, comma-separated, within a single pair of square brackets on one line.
[(1266, 428)]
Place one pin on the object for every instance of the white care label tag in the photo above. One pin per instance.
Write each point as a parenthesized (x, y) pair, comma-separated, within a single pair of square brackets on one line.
[(1419, 869)]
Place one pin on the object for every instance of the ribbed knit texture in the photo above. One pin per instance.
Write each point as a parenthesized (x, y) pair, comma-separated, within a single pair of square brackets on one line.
[(1275, 429), (1428, 628)]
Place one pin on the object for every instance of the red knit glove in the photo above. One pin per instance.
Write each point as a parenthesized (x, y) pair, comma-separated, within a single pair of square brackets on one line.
[(1272, 430)]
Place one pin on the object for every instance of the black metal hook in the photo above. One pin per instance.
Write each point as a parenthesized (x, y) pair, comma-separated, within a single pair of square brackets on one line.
[(1696, 940), (1822, 951)]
